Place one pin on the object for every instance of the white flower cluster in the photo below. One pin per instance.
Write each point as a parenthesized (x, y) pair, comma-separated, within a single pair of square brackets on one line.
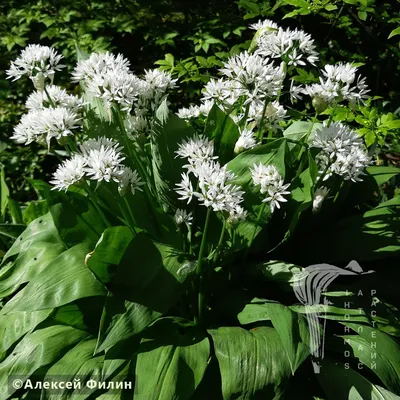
[(42, 125), (337, 84), (107, 77), (38, 63), (246, 141), (214, 187), (271, 183), (253, 76), (100, 160), (183, 217), (54, 96), (342, 152)]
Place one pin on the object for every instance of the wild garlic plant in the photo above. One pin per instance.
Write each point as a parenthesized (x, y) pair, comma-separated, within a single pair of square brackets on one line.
[(220, 171)]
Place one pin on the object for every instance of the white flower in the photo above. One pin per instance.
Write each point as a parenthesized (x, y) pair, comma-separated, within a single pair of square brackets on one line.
[(183, 217), (116, 87), (343, 152), (185, 188), (104, 164), (188, 113), (275, 196), (294, 47), (270, 182), (319, 197), (246, 141), (295, 92), (236, 214), (272, 114), (38, 63), (26, 131), (99, 64), (220, 90), (215, 190), (257, 77), (338, 83), (196, 150), (58, 97), (264, 24), (336, 138), (69, 172), (43, 125), (205, 107), (97, 144), (129, 179), (136, 125), (160, 80)]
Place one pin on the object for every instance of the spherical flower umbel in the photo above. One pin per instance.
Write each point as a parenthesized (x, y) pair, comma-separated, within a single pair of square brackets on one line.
[(338, 83), (38, 63), (342, 152), (271, 183), (104, 164), (45, 124), (54, 96), (70, 172), (295, 47), (256, 76), (99, 64)]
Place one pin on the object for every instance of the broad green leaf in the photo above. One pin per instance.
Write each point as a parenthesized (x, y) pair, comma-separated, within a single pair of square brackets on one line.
[(14, 326), (75, 217), (252, 363), (378, 352), (35, 210), (271, 153), (149, 279), (292, 327), (293, 331), (171, 361), (78, 362), (382, 174), (339, 381), (224, 132), (34, 249), (66, 279), (39, 349), (109, 252), (300, 129), (254, 312)]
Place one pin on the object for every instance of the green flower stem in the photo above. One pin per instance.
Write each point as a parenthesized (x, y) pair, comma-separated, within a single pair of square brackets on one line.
[(131, 216), (93, 197), (199, 271), (48, 96), (221, 239), (135, 159), (260, 132), (339, 191)]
